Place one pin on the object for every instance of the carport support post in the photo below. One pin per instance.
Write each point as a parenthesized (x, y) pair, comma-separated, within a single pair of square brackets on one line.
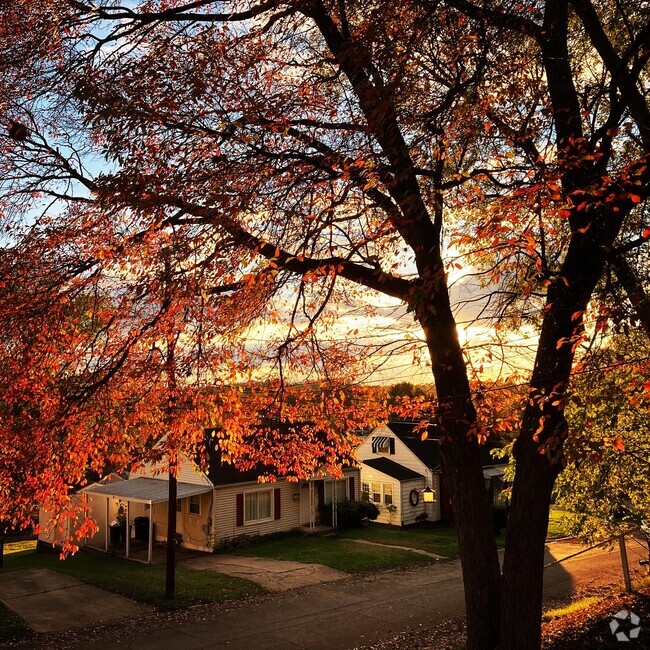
[(108, 530), (150, 550), (626, 566), (128, 528)]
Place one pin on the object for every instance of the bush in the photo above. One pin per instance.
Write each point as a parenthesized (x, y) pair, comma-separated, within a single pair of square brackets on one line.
[(350, 514)]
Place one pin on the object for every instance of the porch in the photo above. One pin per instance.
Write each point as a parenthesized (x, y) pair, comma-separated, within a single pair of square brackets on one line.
[(124, 512)]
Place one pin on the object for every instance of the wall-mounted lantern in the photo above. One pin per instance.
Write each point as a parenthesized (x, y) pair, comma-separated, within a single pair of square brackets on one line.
[(428, 495)]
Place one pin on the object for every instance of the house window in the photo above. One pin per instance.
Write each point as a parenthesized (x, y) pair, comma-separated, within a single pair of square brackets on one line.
[(195, 505), (375, 493), (388, 494), (179, 505), (257, 506), (381, 493), (365, 491)]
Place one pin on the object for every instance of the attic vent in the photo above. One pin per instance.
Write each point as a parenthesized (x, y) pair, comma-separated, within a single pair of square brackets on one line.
[(383, 445)]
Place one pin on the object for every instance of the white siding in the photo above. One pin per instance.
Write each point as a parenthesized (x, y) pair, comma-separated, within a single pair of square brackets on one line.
[(403, 455), (195, 529), (188, 472), (225, 510), (410, 512), (370, 475)]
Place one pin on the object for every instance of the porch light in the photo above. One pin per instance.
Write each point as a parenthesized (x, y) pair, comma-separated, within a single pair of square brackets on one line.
[(296, 496), (428, 495)]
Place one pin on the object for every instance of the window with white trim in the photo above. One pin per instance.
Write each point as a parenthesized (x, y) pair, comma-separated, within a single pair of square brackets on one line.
[(365, 491), (258, 506), (388, 494), (195, 505), (381, 493)]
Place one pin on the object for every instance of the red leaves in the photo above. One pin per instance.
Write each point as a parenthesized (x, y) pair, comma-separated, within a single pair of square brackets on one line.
[(617, 444)]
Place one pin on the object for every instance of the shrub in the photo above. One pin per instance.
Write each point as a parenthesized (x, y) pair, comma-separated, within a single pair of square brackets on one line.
[(350, 513)]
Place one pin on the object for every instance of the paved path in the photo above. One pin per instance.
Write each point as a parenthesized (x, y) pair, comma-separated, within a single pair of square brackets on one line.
[(357, 611), (402, 548), (50, 601), (274, 575)]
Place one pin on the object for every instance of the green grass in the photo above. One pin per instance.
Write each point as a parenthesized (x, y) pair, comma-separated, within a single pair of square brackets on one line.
[(556, 524), (12, 627), (575, 606), (434, 538), (141, 582), (335, 552)]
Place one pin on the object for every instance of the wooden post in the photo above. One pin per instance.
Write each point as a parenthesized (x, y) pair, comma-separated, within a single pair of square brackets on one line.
[(626, 567)]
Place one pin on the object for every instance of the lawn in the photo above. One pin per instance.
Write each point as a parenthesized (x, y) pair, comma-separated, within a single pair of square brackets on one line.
[(340, 551), (141, 582), (333, 551), (434, 538), (556, 525)]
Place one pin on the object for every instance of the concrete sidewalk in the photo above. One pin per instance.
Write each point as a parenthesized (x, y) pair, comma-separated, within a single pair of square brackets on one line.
[(50, 601)]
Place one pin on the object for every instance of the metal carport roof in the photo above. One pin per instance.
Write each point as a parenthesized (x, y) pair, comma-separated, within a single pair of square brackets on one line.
[(146, 490)]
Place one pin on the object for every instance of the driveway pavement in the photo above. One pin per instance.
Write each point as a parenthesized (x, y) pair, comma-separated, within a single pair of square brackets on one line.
[(50, 601), (274, 575)]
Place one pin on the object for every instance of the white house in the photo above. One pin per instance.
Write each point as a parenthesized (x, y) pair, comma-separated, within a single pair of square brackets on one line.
[(397, 465), (213, 506)]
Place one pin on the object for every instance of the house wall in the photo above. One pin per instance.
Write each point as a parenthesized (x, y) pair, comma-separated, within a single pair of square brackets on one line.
[(195, 529), (225, 510), (51, 533), (370, 475), (407, 511), (404, 456), (188, 472)]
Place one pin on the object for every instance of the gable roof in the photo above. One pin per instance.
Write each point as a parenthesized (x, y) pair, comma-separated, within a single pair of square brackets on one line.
[(392, 469), (221, 472), (428, 450)]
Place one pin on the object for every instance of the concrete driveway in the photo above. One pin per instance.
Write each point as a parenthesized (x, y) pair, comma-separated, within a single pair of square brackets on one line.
[(50, 601), (274, 575)]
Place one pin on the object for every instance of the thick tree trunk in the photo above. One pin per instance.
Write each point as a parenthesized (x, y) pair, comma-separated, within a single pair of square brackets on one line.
[(464, 476), (523, 567), (170, 573), (476, 541)]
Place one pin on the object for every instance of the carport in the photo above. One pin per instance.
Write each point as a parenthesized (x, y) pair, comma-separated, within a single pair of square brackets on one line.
[(147, 491)]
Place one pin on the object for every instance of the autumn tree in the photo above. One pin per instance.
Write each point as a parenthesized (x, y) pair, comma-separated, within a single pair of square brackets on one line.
[(302, 154)]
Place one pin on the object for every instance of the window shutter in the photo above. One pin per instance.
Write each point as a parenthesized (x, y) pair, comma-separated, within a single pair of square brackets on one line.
[(391, 442), (276, 503), (351, 494), (240, 509)]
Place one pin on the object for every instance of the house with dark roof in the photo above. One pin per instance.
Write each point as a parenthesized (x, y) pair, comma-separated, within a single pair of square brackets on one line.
[(214, 505), (398, 465)]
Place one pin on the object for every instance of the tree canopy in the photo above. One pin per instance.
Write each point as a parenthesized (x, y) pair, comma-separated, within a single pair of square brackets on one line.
[(176, 174)]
